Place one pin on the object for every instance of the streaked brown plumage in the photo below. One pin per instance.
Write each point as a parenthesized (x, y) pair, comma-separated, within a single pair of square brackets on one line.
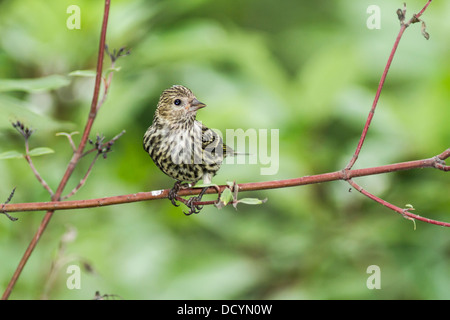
[(181, 146)]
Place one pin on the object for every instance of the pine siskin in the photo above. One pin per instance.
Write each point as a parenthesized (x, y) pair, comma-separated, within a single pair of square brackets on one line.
[(181, 146)]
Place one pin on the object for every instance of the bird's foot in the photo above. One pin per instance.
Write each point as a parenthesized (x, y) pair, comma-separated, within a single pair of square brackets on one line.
[(194, 208), (173, 193)]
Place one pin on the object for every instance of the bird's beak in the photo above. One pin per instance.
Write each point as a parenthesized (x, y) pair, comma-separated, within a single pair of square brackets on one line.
[(195, 105)]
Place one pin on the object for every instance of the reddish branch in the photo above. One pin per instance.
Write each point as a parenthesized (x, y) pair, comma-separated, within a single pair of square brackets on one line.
[(75, 158), (401, 16), (347, 175), (439, 163)]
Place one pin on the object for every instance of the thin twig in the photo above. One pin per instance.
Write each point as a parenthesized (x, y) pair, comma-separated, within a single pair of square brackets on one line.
[(107, 80), (403, 212), (82, 181), (38, 176), (26, 133), (5, 203), (101, 148), (106, 147), (106, 84), (69, 137)]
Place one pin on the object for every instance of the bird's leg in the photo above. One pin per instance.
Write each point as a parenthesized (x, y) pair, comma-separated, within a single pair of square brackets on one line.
[(173, 193), (190, 203)]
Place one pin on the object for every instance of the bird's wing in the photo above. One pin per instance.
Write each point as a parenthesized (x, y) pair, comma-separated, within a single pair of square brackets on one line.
[(211, 141)]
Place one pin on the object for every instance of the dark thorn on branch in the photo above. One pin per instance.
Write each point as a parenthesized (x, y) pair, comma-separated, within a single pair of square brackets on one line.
[(99, 296), (10, 195), (111, 142), (102, 147), (401, 13), (424, 31), (116, 54), (401, 16), (24, 131), (6, 202)]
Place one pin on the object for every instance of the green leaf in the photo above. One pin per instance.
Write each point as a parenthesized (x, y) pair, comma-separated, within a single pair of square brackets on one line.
[(40, 151), (10, 155), (34, 85), (13, 109), (83, 73), (252, 201), (225, 197)]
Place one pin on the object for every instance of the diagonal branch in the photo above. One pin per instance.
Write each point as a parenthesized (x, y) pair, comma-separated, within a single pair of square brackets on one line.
[(37, 175), (2, 210), (403, 27), (83, 180), (403, 212), (101, 148), (26, 133)]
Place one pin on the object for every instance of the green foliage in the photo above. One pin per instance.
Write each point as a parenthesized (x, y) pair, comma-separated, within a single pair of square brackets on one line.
[(40, 151), (13, 108), (34, 85), (83, 73), (225, 197), (307, 68), (10, 155)]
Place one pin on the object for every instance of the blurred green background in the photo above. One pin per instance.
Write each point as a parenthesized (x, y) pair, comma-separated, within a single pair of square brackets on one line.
[(307, 68)]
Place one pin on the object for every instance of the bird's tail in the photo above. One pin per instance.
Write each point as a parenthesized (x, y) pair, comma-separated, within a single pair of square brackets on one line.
[(229, 152)]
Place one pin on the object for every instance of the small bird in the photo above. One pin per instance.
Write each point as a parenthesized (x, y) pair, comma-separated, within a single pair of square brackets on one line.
[(181, 146)]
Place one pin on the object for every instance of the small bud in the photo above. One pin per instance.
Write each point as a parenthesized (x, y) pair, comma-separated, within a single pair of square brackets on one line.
[(401, 15)]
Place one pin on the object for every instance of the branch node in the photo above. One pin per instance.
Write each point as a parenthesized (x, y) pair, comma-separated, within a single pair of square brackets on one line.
[(414, 19), (345, 175), (405, 214), (69, 137)]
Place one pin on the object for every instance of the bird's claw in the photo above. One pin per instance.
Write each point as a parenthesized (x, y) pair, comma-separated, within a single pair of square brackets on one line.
[(173, 193), (193, 208), (190, 203), (173, 196)]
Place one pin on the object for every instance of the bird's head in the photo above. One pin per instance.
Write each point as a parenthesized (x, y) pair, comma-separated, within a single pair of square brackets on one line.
[(178, 104)]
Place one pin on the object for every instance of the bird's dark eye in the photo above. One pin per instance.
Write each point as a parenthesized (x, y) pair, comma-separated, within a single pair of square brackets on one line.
[(177, 102)]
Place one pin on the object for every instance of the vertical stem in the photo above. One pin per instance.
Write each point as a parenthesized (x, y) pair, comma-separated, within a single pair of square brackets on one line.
[(73, 162)]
